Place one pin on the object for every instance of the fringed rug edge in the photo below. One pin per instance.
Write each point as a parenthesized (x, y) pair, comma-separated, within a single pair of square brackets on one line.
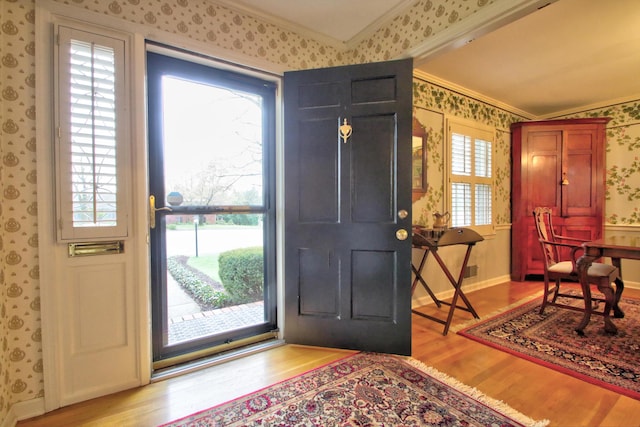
[(464, 332), (476, 394), (459, 327)]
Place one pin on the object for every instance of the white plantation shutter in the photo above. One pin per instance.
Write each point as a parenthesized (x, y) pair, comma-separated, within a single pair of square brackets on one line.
[(460, 154), (470, 176), (91, 168), (483, 204), (484, 183), (460, 204)]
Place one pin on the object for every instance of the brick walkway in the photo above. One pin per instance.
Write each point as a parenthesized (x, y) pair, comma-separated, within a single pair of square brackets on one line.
[(187, 321), (189, 326)]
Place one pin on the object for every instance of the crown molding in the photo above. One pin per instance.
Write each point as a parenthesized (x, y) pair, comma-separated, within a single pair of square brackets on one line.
[(470, 93), (379, 23), (487, 19), (342, 46), (529, 116), (594, 106), (283, 23)]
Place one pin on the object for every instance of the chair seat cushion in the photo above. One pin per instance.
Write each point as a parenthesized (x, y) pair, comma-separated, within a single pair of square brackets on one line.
[(563, 267), (596, 269)]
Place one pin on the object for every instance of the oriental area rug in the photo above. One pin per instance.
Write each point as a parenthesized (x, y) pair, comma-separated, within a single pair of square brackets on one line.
[(364, 389), (610, 361)]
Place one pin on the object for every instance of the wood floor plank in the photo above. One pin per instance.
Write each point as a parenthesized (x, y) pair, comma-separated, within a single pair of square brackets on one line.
[(534, 390)]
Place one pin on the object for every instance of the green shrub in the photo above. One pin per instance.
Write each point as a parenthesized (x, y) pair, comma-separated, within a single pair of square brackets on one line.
[(241, 272), (197, 284), (239, 219)]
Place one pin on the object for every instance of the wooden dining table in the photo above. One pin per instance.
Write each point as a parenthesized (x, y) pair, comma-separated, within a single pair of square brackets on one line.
[(616, 247)]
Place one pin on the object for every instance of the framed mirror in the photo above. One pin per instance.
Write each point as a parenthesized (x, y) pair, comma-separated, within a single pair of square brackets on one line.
[(419, 158)]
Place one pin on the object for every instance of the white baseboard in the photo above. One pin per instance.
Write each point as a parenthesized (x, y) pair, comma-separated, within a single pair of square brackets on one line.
[(444, 295), (426, 299), (22, 411)]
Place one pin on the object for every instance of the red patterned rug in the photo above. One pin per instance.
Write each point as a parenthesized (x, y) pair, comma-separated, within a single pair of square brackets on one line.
[(364, 389), (612, 362)]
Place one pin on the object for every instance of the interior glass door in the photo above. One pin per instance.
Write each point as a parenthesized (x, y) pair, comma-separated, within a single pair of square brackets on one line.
[(211, 207)]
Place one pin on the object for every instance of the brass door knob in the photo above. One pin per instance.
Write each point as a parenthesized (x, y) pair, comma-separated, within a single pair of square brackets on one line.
[(402, 234)]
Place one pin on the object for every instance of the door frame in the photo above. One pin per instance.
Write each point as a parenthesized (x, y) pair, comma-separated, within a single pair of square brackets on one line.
[(48, 13), (197, 72), (169, 47)]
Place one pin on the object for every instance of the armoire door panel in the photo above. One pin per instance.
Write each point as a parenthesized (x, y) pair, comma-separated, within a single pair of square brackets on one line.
[(581, 152), (544, 168), (544, 141), (579, 195), (544, 172)]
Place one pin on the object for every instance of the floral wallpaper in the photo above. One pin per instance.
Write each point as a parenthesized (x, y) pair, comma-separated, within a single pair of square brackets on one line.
[(431, 104), (202, 20), (20, 349), (622, 161), (205, 21)]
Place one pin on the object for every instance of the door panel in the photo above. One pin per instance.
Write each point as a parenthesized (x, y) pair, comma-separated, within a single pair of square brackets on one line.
[(581, 153), (99, 328), (545, 169), (372, 277), (316, 269), (372, 174), (318, 206), (347, 276)]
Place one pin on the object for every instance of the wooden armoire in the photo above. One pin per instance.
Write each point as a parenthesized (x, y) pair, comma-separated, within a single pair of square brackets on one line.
[(559, 164)]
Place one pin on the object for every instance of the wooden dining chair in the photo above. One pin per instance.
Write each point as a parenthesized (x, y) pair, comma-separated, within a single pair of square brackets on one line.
[(559, 268)]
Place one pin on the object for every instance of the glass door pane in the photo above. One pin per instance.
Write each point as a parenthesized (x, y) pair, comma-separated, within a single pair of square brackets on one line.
[(211, 175)]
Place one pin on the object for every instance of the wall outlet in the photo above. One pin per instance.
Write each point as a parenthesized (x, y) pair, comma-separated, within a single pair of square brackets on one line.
[(470, 271)]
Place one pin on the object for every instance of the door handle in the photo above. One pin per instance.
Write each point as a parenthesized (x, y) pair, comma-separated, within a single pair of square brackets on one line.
[(153, 209)]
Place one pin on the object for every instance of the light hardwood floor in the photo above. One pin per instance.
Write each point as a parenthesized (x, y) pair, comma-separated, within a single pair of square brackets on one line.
[(534, 390)]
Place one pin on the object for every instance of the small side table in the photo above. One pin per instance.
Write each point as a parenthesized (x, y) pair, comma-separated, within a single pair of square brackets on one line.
[(429, 241)]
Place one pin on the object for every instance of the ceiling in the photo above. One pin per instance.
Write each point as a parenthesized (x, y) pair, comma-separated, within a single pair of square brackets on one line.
[(567, 55)]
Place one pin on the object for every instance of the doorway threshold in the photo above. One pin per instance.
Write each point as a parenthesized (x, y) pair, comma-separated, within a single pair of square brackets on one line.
[(217, 359)]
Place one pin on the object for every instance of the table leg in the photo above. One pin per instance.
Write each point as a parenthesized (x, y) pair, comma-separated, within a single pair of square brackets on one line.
[(458, 289), (418, 278), (582, 266), (617, 311), (607, 291)]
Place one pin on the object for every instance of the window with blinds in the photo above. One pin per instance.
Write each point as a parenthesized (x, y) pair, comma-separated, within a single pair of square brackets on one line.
[(91, 136), (470, 175)]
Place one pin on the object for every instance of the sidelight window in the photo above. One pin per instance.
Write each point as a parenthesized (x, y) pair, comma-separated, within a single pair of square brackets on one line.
[(91, 136)]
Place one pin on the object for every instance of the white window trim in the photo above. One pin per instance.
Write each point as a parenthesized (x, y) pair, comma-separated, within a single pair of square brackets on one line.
[(472, 128), (65, 229)]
